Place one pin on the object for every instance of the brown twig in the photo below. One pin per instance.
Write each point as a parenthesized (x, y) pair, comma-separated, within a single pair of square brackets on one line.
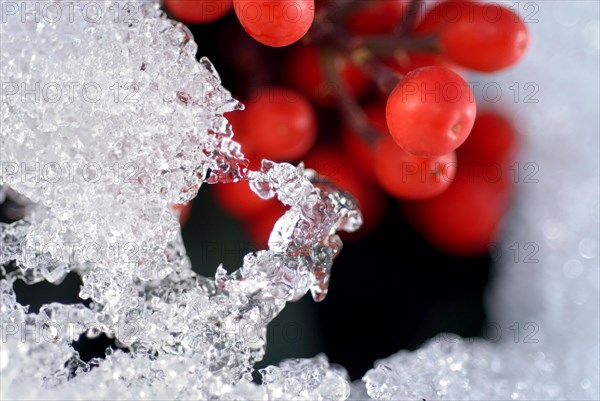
[(353, 114), (410, 17), (388, 45), (385, 77), (336, 10), (366, 53)]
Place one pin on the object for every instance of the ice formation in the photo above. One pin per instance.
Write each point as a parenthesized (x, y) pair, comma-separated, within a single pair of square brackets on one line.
[(107, 120)]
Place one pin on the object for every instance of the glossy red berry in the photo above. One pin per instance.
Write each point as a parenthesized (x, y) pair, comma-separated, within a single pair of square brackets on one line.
[(407, 176), (488, 156), (487, 38), (376, 17), (465, 219), (198, 11), (275, 23), (278, 124), (431, 111)]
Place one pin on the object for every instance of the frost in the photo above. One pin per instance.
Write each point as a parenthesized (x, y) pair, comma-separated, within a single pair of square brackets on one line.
[(100, 173), (108, 120), (450, 368), (305, 379)]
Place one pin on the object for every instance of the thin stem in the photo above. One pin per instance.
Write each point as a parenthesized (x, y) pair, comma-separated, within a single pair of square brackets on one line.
[(353, 114), (385, 77), (365, 53), (410, 17), (327, 33), (338, 9), (387, 45), (324, 33)]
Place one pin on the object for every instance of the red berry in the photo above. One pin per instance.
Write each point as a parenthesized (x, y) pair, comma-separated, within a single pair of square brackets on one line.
[(489, 153), (239, 200), (198, 11), (464, 220), (407, 176), (275, 23), (431, 111), (342, 173), (492, 139), (375, 17), (306, 73), (487, 38), (278, 124), (240, 134)]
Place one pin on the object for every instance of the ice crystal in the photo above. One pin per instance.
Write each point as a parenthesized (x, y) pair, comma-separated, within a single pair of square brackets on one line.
[(452, 368), (140, 128)]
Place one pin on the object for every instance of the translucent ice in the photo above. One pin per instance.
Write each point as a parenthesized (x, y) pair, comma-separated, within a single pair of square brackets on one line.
[(106, 123)]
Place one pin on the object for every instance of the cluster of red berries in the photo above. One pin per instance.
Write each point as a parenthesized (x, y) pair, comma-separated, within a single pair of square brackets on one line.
[(273, 23), (394, 71)]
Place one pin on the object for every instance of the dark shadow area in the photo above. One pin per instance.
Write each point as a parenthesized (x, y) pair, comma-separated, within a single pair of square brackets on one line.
[(211, 236), (89, 348), (392, 291), (44, 292)]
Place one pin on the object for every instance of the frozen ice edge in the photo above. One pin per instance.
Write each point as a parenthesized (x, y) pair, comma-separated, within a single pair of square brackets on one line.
[(154, 138)]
